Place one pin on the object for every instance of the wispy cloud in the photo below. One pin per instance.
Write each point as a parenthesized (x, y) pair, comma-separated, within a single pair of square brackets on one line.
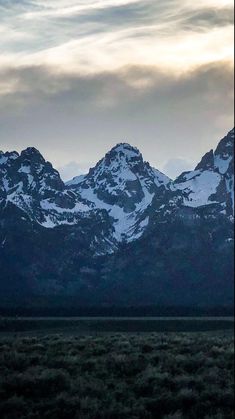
[(158, 72), (79, 36)]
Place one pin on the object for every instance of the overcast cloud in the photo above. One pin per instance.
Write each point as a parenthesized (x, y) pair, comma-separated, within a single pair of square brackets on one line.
[(76, 77)]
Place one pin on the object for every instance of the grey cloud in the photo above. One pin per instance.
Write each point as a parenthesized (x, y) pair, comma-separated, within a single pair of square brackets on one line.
[(104, 89), (174, 167), (160, 12), (209, 18), (73, 169), (113, 14), (9, 4), (80, 117)]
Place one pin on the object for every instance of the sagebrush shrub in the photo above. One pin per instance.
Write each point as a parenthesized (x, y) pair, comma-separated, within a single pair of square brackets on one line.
[(117, 376)]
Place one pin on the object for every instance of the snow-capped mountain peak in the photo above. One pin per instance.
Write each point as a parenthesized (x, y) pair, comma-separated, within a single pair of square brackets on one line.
[(53, 234), (120, 161), (212, 181), (124, 185), (122, 193), (207, 161), (32, 152), (5, 158), (34, 186), (124, 152), (223, 156), (125, 148)]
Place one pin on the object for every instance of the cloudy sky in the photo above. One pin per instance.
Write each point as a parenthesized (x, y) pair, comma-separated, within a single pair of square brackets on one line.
[(79, 76)]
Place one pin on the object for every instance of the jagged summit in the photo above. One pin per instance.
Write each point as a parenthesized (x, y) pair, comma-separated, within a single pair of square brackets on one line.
[(32, 153), (212, 181), (121, 185), (221, 157), (124, 185), (126, 149), (8, 155), (207, 161), (31, 150), (120, 156), (53, 234), (225, 147), (32, 185), (126, 163)]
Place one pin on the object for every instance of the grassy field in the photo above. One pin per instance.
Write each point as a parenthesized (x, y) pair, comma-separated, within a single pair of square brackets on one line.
[(117, 376)]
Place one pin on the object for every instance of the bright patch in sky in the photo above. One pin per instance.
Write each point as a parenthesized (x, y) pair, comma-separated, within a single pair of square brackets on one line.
[(157, 72), (92, 36)]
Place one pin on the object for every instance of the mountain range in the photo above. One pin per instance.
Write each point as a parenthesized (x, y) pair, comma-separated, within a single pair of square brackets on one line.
[(122, 234)]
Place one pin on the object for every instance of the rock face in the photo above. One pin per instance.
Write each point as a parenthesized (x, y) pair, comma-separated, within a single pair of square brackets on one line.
[(123, 185), (122, 234), (212, 181), (32, 185)]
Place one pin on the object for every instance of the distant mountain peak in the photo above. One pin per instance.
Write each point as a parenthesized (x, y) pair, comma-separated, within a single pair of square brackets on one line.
[(32, 153), (226, 146), (31, 150), (121, 187), (125, 148), (9, 155), (207, 161), (212, 181), (124, 185), (53, 234), (123, 154)]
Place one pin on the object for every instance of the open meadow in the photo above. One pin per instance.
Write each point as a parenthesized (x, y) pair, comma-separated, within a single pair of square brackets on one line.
[(116, 375)]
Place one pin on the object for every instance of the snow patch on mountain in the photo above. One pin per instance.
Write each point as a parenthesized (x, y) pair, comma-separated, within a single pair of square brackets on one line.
[(124, 222), (51, 206), (213, 179), (76, 180), (120, 197), (222, 164), (7, 157), (199, 187), (123, 185)]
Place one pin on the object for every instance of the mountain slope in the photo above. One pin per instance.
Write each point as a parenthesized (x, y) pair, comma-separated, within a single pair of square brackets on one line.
[(124, 185), (122, 234), (33, 186), (212, 181)]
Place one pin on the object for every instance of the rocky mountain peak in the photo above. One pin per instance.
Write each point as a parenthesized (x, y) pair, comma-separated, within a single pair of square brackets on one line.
[(224, 154), (226, 144), (52, 235), (5, 158), (124, 185), (32, 155), (125, 150), (31, 184), (31, 166), (120, 157), (212, 182), (32, 152), (207, 161)]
